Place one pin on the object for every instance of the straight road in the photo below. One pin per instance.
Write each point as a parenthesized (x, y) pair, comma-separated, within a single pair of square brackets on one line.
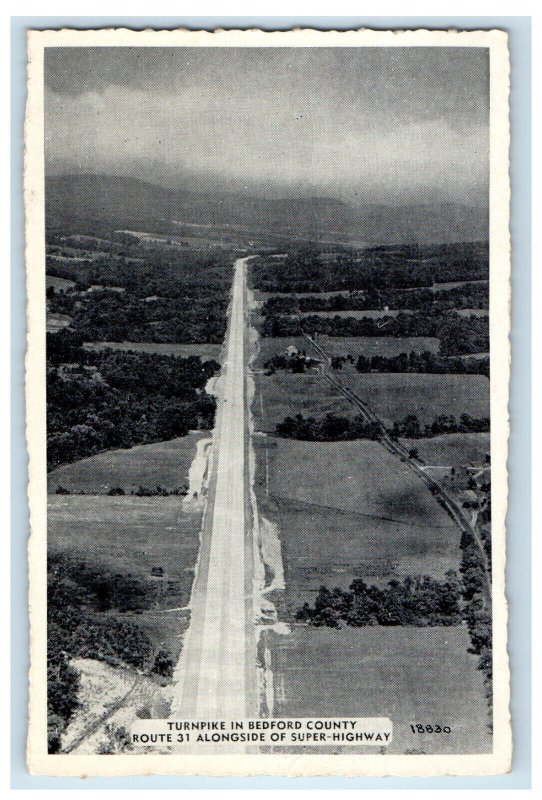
[(217, 671)]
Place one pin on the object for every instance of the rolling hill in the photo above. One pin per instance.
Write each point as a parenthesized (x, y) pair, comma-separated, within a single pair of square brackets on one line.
[(86, 203)]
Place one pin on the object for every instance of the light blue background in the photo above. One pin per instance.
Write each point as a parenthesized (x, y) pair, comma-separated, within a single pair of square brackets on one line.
[(519, 522)]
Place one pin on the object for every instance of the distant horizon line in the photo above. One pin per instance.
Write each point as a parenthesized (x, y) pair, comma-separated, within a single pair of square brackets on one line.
[(269, 198)]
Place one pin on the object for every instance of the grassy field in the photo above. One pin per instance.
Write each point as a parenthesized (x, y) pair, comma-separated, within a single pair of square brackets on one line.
[(368, 313), (55, 322), (411, 675), (58, 283), (344, 345), (452, 449), (164, 463), (347, 510), (473, 312), (205, 351), (126, 534), (393, 396), (130, 536), (280, 395)]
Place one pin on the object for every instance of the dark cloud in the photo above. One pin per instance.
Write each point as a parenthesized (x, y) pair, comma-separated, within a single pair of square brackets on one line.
[(385, 122)]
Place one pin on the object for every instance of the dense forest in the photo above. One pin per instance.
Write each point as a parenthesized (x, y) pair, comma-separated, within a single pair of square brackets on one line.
[(401, 267), (333, 428), (141, 292), (111, 399)]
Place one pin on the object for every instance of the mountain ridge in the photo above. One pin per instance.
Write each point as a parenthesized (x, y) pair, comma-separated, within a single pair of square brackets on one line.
[(124, 202)]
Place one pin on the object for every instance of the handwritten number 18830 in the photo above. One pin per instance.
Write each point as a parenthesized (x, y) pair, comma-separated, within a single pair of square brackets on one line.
[(430, 728)]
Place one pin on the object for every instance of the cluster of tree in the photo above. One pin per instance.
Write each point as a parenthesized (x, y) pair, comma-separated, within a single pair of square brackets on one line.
[(420, 601), (334, 428), (169, 295), (113, 316), (330, 428), (296, 364), (425, 362), (410, 427), (475, 609), (468, 295), (113, 399), (458, 335), (402, 266), (141, 491)]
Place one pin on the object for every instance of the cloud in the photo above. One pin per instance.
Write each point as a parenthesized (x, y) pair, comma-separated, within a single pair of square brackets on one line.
[(288, 123)]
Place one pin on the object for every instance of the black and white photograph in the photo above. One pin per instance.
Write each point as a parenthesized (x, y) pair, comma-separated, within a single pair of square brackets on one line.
[(267, 387)]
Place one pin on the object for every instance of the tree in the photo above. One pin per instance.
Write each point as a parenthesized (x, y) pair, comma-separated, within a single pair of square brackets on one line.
[(164, 664)]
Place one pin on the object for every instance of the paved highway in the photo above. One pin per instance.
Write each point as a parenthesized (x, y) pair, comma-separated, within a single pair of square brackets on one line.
[(216, 675)]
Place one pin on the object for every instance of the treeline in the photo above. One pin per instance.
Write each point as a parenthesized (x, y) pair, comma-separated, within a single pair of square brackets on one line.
[(420, 601), (476, 609), (411, 428), (425, 362), (77, 627), (399, 267), (110, 399), (330, 428), (468, 295), (458, 335), (335, 428)]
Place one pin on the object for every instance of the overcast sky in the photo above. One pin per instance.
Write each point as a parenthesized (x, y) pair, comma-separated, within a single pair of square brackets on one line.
[(364, 124)]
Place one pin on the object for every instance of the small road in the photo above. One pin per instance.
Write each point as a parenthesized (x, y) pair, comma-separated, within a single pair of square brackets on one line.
[(216, 676), (446, 500)]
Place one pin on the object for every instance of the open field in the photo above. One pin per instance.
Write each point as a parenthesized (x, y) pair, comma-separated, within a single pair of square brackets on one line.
[(452, 449), (411, 675), (128, 535), (205, 351), (391, 395), (346, 510), (55, 322), (473, 312), (344, 345), (164, 463), (377, 345), (58, 284), (394, 395), (280, 395), (453, 284), (360, 314)]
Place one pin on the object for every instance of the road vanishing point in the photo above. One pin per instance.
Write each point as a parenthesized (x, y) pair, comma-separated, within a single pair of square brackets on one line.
[(217, 677)]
